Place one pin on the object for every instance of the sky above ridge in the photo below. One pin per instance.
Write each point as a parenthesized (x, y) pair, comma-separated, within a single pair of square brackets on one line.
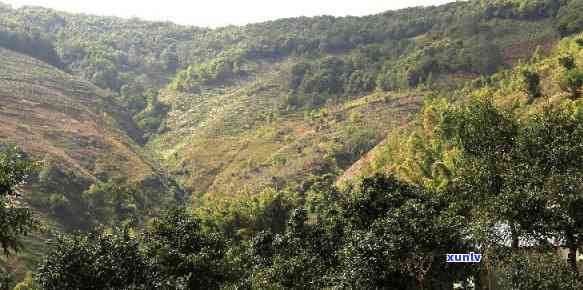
[(214, 13)]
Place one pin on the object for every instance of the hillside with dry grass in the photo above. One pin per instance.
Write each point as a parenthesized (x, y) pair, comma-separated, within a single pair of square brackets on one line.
[(72, 126)]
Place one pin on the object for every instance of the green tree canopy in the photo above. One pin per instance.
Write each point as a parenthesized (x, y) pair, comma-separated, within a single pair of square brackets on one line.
[(15, 220)]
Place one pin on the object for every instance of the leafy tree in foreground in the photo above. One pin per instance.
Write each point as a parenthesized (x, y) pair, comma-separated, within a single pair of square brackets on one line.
[(173, 254), (96, 261), (302, 257), (400, 238), (184, 254), (15, 221), (551, 144), (487, 183)]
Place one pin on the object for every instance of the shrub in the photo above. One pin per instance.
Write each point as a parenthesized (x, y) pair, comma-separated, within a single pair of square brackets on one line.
[(531, 82), (536, 271), (572, 82)]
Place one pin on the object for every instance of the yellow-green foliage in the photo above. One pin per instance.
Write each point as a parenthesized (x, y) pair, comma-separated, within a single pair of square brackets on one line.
[(242, 215), (27, 284), (415, 155), (418, 157)]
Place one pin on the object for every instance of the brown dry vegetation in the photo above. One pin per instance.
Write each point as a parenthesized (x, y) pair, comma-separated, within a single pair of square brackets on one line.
[(50, 113)]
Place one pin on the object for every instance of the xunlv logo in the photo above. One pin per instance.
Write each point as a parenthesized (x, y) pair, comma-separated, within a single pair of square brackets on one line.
[(464, 258)]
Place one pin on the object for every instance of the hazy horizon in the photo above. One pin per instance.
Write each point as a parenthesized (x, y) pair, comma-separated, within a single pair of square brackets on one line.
[(218, 13)]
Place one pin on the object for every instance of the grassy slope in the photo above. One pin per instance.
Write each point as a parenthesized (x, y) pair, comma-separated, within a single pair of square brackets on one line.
[(235, 139), (50, 112)]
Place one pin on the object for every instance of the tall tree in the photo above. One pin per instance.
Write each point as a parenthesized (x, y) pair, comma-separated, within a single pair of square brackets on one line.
[(551, 144), (486, 136), (398, 236)]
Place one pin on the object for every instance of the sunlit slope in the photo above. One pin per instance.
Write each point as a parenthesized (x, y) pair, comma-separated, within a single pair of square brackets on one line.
[(50, 113), (235, 138)]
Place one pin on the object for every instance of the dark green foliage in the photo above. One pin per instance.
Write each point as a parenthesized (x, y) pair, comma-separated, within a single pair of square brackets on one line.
[(385, 233), (568, 62), (151, 119), (170, 59), (572, 83), (15, 220), (408, 246), (6, 280), (242, 216), (357, 141), (399, 237), (531, 84), (79, 203), (302, 256), (58, 192), (182, 252), (552, 148), (327, 78), (481, 129), (493, 179), (32, 44), (477, 55), (298, 73), (96, 261), (376, 196), (173, 254), (391, 66), (220, 70), (537, 272), (569, 19), (109, 203), (332, 76), (521, 9)]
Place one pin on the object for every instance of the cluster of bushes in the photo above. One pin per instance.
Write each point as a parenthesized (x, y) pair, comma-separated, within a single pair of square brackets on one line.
[(476, 56), (217, 71), (150, 119), (176, 251), (81, 204), (572, 80)]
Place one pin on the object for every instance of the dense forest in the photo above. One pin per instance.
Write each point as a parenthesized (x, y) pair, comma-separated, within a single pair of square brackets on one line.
[(303, 153)]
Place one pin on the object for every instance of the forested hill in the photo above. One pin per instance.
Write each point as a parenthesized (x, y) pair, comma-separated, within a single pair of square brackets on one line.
[(128, 115)]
